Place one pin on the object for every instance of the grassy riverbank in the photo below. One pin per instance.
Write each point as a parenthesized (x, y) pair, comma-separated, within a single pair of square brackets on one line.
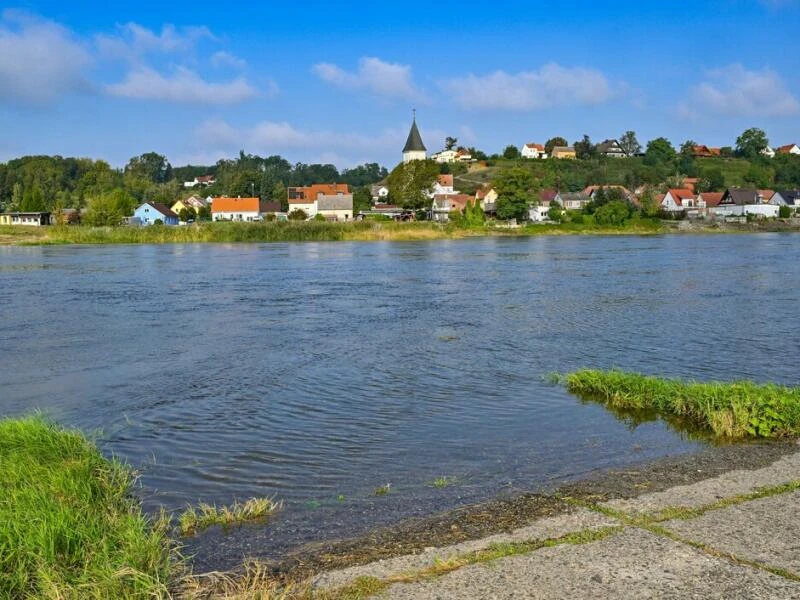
[(728, 410), (69, 527), (298, 232)]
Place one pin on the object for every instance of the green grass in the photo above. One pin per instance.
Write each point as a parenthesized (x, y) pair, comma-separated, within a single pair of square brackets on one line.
[(69, 526), (741, 409), (383, 490), (443, 482), (193, 520)]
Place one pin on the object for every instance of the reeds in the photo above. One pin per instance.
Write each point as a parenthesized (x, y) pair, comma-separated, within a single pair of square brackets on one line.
[(193, 520), (741, 409)]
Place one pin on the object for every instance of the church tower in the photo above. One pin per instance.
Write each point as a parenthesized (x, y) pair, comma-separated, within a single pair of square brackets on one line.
[(414, 149)]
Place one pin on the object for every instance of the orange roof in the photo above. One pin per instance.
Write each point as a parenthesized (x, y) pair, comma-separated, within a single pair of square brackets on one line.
[(593, 188), (538, 147), (785, 149), (680, 195), (767, 194), (235, 205), (690, 183), (309, 193), (483, 192), (712, 198), (446, 180)]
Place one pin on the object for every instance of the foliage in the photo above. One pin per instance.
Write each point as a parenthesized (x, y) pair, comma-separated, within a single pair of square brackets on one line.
[(193, 520), (784, 212), (450, 143), (750, 144), (362, 200), (298, 214), (319, 217), (729, 410), (69, 521), (204, 214), (511, 152), (687, 147), (151, 167), (659, 152), (553, 142), (649, 205), (516, 191), (471, 216), (187, 214), (409, 183), (555, 212), (109, 208), (759, 176), (629, 144), (614, 212), (711, 180), (585, 149)]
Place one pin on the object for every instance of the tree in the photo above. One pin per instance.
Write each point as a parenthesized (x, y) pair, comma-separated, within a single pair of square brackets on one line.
[(362, 200), (649, 206), (629, 144), (516, 191), (204, 214), (585, 148), (279, 194), (450, 143), (612, 213), (687, 148), (711, 180), (784, 212), (150, 166), (109, 208), (410, 183), (553, 142), (32, 200), (476, 154), (511, 152), (298, 214), (555, 213), (750, 144), (187, 214), (758, 176), (16, 196), (659, 152)]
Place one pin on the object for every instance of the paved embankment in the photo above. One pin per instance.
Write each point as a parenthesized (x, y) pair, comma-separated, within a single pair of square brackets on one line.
[(736, 535)]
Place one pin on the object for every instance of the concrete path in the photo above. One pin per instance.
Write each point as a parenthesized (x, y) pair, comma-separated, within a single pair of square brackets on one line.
[(733, 536)]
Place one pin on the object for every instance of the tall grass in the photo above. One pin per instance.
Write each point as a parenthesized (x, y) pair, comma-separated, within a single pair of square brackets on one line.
[(735, 410), (69, 527)]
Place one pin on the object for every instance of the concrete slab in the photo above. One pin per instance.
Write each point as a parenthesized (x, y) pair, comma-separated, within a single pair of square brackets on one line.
[(765, 530), (552, 527), (711, 490), (633, 564)]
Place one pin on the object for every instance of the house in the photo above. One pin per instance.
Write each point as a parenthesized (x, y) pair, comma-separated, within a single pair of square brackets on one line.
[(31, 219), (337, 207), (194, 202), (611, 148), (203, 180), (677, 200), (414, 148), (592, 190), (150, 212), (444, 204), (391, 211), (567, 152), (311, 192), (574, 200), (239, 209), (789, 198), (708, 200), (379, 193), (740, 202), (486, 198), (788, 149), (442, 186), (703, 151), (547, 198), (766, 195), (452, 156), (690, 183), (533, 151), (768, 152), (463, 155)]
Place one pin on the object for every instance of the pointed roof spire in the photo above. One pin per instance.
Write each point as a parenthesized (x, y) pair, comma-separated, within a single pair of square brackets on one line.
[(414, 141)]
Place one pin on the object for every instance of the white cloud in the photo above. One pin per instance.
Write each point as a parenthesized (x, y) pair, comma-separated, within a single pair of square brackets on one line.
[(390, 80), (133, 41), (736, 91), (184, 86), (39, 60), (550, 86), (226, 59)]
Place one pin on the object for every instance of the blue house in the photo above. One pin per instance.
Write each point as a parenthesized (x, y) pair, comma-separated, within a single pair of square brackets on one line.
[(149, 212)]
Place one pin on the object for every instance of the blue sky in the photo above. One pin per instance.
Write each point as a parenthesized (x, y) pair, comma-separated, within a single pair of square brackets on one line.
[(328, 82)]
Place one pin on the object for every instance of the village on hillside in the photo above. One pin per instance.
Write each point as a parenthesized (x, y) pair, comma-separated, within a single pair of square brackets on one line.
[(334, 202)]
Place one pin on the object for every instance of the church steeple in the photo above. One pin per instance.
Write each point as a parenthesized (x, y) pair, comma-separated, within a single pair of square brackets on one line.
[(414, 148)]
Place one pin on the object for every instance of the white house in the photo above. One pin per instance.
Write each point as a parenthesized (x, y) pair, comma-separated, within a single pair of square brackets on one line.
[(789, 149), (487, 198), (238, 209), (443, 186), (533, 151), (337, 207), (611, 148), (678, 200), (201, 181), (379, 193), (452, 156), (741, 202), (768, 152), (573, 200), (790, 198), (444, 204)]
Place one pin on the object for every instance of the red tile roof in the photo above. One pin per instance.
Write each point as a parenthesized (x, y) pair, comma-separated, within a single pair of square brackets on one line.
[(711, 198), (680, 195), (219, 205), (538, 147), (785, 149), (445, 180)]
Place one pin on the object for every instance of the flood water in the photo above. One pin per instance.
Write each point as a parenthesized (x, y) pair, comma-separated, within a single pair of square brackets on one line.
[(316, 372)]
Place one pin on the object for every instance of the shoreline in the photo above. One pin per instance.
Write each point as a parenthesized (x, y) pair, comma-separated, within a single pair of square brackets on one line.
[(213, 550), (355, 232)]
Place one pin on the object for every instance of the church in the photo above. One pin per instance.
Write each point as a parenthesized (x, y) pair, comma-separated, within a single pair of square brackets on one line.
[(414, 148)]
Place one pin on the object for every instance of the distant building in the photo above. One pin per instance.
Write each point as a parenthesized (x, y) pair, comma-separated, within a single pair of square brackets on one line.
[(790, 198), (203, 180), (573, 200), (678, 200), (703, 151), (150, 212), (611, 148), (414, 148), (533, 151), (788, 149), (379, 193), (307, 199), (443, 186), (740, 202), (444, 204), (564, 152), (31, 219), (240, 209), (193, 202)]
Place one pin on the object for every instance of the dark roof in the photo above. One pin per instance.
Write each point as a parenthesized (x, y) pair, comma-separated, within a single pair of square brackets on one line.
[(414, 141), (740, 197), (163, 209), (270, 207), (790, 196), (609, 145), (574, 196)]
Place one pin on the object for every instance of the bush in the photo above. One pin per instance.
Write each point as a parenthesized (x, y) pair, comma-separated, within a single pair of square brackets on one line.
[(613, 213), (297, 215), (319, 217), (784, 212)]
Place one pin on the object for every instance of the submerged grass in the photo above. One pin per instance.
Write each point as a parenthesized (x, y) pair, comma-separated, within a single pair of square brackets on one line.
[(193, 520), (737, 410), (69, 526)]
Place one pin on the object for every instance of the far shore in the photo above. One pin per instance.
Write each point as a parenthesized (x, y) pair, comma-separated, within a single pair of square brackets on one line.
[(355, 231)]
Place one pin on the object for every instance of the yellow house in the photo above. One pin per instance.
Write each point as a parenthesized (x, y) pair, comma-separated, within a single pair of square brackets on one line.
[(5, 219), (567, 152), (192, 202)]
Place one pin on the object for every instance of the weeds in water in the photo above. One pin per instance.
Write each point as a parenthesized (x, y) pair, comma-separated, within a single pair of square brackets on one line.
[(195, 519), (383, 490), (340, 497), (443, 482), (729, 410), (69, 524)]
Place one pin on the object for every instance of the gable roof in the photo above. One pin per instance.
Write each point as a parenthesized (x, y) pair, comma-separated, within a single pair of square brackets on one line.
[(679, 195), (574, 197), (162, 208), (608, 146), (236, 204), (711, 198), (309, 193), (539, 147), (414, 141), (452, 201), (337, 202), (593, 188), (740, 197), (445, 180), (483, 192), (547, 196), (785, 149), (767, 194)]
